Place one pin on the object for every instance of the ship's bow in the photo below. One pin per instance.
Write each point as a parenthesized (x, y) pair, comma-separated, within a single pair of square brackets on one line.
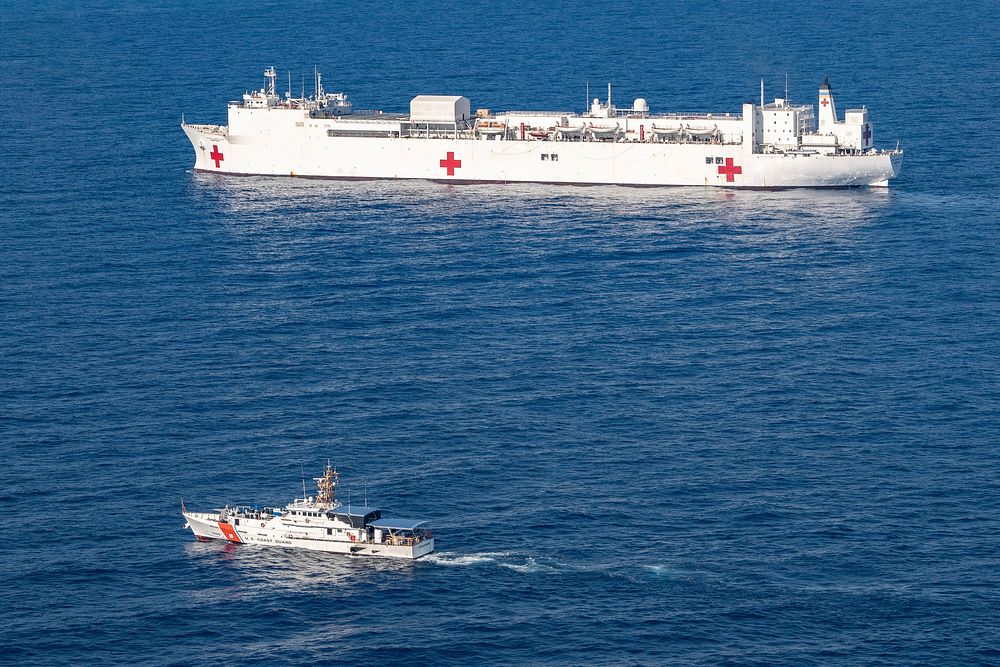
[(210, 143), (204, 526), (890, 163)]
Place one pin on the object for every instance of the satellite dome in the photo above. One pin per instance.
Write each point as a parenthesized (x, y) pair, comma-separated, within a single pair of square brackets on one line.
[(640, 105)]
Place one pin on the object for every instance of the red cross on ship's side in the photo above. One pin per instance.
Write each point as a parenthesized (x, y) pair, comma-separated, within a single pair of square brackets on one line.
[(450, 163), (217, 156), (730, 170)]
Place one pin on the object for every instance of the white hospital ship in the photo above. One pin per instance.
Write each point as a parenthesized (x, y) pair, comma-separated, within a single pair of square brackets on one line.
[(772, 145), (319, 523)]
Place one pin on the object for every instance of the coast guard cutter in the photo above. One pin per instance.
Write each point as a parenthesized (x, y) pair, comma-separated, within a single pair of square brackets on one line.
[(319, 522), (768, 145)]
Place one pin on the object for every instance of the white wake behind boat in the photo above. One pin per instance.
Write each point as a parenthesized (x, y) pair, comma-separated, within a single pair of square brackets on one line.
[(319, 523)]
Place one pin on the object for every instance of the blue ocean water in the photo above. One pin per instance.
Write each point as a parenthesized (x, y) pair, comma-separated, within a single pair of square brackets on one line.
[(660, 426)]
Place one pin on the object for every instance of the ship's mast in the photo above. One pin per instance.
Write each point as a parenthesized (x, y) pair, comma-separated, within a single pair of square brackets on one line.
[(270, 75), (325, 486)]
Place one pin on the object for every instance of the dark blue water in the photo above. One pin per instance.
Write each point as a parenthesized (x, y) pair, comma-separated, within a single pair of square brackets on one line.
[(650, 426)]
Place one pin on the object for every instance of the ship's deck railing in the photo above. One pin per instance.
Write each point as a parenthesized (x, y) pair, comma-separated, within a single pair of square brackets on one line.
[(727, 139), (870, 151), (553, 114), (642, 115), (213, 129), (698, 116), (401, 541), (842, 152), (376, 120), (629, 115)]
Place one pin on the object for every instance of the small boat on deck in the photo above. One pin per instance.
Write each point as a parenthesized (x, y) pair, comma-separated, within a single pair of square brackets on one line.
[(700, 132), (490, 127), (667, 132), (568, 132), (604, 132)]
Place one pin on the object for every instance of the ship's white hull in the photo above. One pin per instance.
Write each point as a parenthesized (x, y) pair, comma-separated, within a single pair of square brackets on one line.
[(285, 149), (282, 532)]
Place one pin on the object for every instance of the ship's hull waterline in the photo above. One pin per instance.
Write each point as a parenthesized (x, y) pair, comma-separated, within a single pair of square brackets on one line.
[(494, 161), (206, 528)]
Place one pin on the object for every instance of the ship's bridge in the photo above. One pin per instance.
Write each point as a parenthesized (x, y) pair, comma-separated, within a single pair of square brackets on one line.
[(783, 124)]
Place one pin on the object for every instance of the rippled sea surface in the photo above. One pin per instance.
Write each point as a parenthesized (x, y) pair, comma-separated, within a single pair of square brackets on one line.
[(649, 426)]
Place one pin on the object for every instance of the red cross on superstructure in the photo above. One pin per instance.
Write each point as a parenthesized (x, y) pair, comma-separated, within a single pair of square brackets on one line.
[(450, 163), (730, 170), (867, 134), (216, 155), (824, 101)]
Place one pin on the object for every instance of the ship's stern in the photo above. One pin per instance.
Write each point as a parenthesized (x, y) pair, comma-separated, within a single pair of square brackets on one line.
[(423, 548)]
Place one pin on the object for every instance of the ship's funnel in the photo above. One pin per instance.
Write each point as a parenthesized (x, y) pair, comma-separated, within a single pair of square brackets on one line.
[(827, 110)]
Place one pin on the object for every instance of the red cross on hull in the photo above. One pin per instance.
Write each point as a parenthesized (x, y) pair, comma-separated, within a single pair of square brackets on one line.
[(217, 156), (730, 170), (450, 163)]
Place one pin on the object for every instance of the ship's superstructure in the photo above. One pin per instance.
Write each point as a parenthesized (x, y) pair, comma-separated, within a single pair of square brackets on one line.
[(768, 145), (319, 523)]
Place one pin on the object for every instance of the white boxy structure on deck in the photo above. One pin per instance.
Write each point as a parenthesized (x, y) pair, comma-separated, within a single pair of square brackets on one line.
[(439, 109)]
